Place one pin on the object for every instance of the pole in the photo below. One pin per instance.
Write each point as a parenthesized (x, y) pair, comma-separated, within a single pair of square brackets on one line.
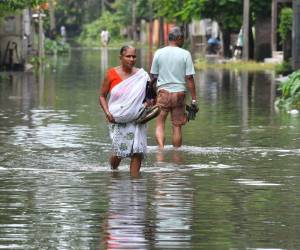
[(246, 30), (274, 26), (296, 35), (41, 37)]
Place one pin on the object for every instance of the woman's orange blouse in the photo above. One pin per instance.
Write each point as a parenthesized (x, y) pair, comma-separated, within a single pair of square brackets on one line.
[(113, 78)]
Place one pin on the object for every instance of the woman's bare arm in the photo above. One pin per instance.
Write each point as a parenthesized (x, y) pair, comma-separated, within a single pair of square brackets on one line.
[(103, 99)]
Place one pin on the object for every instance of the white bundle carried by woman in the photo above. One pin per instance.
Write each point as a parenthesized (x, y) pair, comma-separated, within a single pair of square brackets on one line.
[(126, 99)]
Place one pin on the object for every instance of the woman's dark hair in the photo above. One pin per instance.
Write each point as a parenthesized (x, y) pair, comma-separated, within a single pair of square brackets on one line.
[(124, 48)]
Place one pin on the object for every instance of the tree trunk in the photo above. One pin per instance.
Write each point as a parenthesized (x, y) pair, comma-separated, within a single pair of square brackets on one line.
[(262, 38), (52, 19), (161, 32), (226, 43), (287, 48), (251, 41), (41, 53), (296, 34), (151, 29), (246, 30), (133, 24), (102, 6)]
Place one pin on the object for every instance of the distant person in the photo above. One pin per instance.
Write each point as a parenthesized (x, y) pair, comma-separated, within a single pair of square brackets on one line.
[(126, 87), (238, 50), (213, 45), (105, 37), (173, 69), (63, 33)]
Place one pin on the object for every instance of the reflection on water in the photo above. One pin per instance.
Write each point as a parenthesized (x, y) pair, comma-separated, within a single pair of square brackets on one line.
[(233, 184), (124, 227), (104, 60), (137, 218)]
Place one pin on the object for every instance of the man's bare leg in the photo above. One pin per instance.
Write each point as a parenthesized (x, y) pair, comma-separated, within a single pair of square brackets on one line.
[(177, 136), (135, 164), (160, 128), (114, 161)]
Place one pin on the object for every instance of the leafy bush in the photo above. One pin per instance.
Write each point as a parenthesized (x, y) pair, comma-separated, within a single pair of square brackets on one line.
[(286, 23), (56, 46), (290, 92), (283, 68), (11, 6), (91, 32)]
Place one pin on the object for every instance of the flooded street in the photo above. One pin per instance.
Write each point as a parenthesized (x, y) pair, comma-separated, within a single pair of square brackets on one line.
[(235, 183)]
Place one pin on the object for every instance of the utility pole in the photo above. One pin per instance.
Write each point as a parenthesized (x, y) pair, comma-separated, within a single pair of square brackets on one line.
[(296, 35), (246, 13)]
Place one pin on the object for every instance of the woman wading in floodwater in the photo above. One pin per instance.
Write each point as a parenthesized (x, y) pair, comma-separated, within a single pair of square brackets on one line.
[(126, 86)]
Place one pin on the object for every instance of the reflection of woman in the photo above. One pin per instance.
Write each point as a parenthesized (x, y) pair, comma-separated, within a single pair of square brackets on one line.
[(125, 223), (126, 85)]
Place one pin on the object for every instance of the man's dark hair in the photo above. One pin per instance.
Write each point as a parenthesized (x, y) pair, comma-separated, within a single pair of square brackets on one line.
[(175, 33), (124, 48)]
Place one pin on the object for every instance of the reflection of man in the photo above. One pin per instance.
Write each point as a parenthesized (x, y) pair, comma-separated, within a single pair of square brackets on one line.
[(173, 211), (104, 37), (173, 69)]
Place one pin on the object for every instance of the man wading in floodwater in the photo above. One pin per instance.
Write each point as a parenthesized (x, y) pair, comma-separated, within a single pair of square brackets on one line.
[(173, 69)]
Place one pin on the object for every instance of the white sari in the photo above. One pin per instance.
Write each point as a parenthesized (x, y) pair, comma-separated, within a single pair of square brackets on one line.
[(125, 104)]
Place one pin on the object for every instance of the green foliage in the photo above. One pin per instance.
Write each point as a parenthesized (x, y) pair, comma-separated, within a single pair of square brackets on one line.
[(10, 6), (228, 13), (261, 7), (91, 32), (123, 10), (201, 63), (169, 9), (70, 14), (283, 68), (286, 23), (290, 92), (144, 9), (56, 46)]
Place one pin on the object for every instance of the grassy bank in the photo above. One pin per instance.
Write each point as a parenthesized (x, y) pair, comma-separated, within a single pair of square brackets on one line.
[(230, 65)]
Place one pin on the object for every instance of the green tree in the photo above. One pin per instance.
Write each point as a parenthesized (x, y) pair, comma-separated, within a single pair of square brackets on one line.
[(285, 31), (123, 10), (172, 10), (90, 34), (74, 14), (228, 13), (10, 6)]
